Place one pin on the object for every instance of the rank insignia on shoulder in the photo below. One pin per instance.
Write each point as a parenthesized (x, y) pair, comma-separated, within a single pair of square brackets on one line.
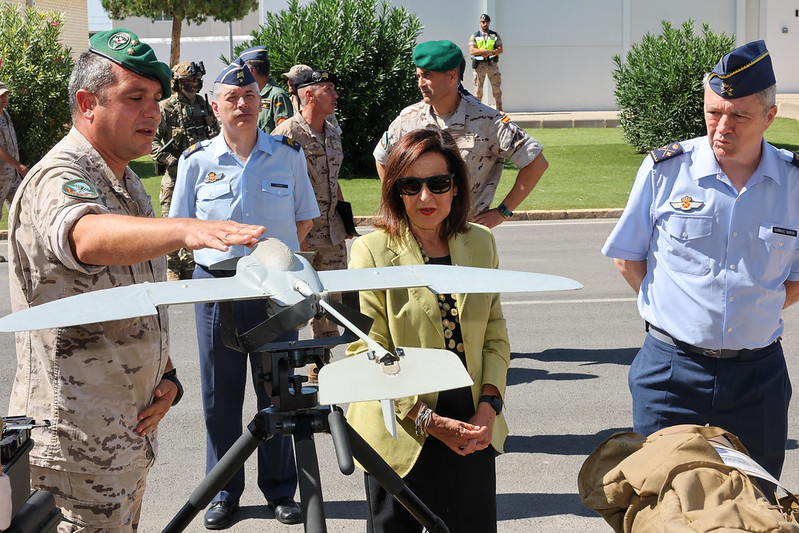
[(266, 103), (191, 149), (288, 141), (666, 152), (505, 119), (80, 188), (686, 203), (213, 176)]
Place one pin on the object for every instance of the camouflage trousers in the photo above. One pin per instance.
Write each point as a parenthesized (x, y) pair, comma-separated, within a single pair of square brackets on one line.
[(326, 258), (94, 503), (180, 262), (484, 68)]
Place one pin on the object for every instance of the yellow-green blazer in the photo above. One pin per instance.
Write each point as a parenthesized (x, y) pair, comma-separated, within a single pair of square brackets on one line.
[(411, 317)]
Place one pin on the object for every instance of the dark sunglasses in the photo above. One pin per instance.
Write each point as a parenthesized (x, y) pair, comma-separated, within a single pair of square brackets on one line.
[(435, 184)]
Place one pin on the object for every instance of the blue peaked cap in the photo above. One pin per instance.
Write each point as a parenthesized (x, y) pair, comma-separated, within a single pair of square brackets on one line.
[(236, 74), (744, 71)]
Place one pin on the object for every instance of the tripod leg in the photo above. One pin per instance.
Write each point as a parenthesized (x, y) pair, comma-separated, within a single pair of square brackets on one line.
[(219, 475), (379, 469), (311, 502)]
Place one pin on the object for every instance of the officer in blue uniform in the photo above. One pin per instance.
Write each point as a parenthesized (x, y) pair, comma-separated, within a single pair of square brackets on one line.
[(242, 174), (708, 241)]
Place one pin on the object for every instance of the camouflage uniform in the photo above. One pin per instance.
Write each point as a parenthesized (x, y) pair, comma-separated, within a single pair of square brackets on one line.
[(9, 177), (487, 66), (90, 381), (276, 107), (484, 136), (327, 237), (184, 123)]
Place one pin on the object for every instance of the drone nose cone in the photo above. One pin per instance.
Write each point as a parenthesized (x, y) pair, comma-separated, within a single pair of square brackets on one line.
[(274, 253)]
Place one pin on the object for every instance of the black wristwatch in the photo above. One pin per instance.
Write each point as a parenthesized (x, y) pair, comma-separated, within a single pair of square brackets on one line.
[(172, 376), (504, 211), (494, 401)]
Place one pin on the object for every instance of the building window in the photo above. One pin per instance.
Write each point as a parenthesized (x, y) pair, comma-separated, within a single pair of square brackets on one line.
[(162, 18)]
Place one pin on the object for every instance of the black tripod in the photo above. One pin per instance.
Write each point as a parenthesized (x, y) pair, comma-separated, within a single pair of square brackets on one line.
[(295, 411)]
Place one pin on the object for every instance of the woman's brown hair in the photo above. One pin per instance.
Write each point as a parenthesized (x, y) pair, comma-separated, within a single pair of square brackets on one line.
[(408, 149)]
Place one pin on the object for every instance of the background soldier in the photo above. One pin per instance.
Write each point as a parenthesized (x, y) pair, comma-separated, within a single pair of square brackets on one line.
[(186, 118), (485, 136), (485, 46), (321, 143)]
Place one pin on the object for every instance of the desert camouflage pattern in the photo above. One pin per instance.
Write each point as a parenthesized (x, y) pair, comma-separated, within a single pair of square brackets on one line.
[(116, 508), (9, 177), (324, 158), (485, 138), (490, 69), (276, 107), (90, 381)]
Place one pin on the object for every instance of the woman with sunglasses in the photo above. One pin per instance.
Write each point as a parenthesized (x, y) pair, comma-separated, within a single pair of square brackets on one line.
[(447, 441)]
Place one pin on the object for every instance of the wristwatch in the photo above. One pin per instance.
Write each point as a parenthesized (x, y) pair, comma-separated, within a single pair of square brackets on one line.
[(172, 376), (504, 211), (494, 401)]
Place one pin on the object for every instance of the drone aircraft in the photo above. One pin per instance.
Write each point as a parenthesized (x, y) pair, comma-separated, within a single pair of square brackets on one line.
[(295, 293)]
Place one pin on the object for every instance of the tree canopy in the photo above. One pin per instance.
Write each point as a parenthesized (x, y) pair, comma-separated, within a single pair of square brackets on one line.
[(192, 11)]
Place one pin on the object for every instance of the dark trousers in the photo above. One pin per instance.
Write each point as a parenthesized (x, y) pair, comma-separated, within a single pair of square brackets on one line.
[(462, 491), (747, 396), (223, 373)]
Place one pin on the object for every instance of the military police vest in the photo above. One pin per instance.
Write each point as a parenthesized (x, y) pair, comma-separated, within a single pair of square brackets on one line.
[(486, 42)]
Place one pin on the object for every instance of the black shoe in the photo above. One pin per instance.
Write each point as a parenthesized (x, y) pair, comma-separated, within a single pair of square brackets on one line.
[(286, 511), (220, 515)]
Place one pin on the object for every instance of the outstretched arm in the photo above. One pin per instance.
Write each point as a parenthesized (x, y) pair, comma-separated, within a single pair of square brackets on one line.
[(107, 239)]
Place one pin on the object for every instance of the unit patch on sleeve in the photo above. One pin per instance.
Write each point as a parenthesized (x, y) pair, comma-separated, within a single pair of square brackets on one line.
[(80, 188)]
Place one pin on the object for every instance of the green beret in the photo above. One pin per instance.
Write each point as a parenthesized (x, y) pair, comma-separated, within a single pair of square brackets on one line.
[(438, 56), (124, 48)]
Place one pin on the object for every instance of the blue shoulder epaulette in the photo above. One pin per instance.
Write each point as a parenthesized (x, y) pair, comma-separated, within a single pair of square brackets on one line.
[(790, 157), (666, 152), (288, 141), (191, 149)]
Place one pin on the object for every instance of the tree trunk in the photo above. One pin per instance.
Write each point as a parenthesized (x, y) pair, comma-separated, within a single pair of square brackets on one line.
[(174, 48)]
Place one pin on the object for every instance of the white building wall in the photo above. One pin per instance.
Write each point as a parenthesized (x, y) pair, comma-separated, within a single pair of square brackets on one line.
[(558, 54)]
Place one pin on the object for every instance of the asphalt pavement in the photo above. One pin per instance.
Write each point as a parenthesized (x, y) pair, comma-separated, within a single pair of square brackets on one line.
[(567, 392)]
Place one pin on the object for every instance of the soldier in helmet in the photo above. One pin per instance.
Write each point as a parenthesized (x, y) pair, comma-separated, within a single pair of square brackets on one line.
[(186, 118)]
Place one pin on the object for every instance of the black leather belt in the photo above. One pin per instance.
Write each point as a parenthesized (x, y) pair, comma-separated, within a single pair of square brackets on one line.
[(663, 336)]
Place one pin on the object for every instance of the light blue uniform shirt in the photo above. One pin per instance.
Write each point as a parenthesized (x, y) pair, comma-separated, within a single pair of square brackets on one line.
[(716, 258), (271, 189)]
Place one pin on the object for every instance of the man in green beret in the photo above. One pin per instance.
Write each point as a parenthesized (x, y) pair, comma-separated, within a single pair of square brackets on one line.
[(80, 221), (485, 136)]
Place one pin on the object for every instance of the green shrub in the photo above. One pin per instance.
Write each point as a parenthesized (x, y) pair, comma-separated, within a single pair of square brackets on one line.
[(659, 85), (36, 68), (367, 44)]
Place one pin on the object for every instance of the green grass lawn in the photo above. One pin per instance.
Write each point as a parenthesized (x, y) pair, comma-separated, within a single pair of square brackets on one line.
[(589, 168)]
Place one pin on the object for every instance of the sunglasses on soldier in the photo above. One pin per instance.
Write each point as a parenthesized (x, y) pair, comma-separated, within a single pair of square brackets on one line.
[(439, 184)]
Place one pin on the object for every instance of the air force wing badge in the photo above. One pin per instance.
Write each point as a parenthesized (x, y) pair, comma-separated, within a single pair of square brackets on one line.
[(686, 203)]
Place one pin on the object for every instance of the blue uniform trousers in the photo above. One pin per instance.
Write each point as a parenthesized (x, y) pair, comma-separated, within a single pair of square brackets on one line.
[(223, 372), (747, 396)]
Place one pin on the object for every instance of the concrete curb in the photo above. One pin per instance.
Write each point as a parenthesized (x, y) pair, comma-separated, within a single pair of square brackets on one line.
[(565, 214)]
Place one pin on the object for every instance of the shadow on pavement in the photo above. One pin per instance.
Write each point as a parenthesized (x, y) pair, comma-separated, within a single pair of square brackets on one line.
[(517, 376), (558, 444), (521, 506), (621, 356)]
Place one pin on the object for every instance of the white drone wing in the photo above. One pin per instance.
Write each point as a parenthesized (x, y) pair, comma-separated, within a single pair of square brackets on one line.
[(443, 279), (361, 379), (126, 302)]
